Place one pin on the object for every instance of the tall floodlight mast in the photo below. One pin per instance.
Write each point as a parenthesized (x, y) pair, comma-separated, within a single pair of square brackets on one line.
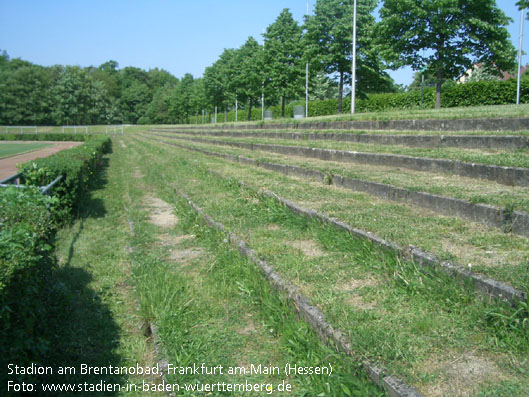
[(522, 16), (353, 80), (307, 81)]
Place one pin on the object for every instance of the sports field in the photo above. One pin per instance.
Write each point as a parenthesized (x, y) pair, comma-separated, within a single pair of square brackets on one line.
[(8, 149)]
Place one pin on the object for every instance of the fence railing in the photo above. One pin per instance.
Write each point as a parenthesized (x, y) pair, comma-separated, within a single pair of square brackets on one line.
[(75, 129), (20, 129), (14, 180)]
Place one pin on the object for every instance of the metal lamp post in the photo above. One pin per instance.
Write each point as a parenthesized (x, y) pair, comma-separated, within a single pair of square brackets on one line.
[(522, 16), (353, 82)]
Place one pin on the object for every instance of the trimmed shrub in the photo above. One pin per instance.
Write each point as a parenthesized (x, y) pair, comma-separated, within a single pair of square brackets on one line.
[(77, 165), (28, 222), (27, 227)]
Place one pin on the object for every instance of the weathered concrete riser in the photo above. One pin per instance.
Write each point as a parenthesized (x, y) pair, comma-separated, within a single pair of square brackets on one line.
[(427, 141), (456, 125), (505, 175), (517, 222), (485, 285)]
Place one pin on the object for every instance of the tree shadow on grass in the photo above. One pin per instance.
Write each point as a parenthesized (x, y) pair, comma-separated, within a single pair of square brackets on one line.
[(89, 206), (79, 329)]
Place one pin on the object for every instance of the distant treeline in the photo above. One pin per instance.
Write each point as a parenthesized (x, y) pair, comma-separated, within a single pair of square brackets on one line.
[(407, 34), (69, 95)]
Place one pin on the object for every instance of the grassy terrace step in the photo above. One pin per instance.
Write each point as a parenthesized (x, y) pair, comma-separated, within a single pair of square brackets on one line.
[(473, 112), (209, 303), (412, 140), (486, 286), (507, 219), (322, 131), (515, 176), (425, 328), (500, 124), (473, 190), (312, 315), (503, 158), (490, 251)]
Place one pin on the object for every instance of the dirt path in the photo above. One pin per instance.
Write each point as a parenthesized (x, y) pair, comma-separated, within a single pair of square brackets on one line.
[(8, 166)]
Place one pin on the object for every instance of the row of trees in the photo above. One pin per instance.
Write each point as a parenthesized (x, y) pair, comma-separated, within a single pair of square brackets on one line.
[(69, 95), (443, 38)]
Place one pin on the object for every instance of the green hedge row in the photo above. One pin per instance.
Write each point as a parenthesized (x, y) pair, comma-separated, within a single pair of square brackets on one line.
[(453, 95), (27, 227), (77, 165), (28, 222)]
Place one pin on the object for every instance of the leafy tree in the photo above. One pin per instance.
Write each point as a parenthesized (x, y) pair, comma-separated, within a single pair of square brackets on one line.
[(446, 35), (430, 79), (283, 57), (135, 99), (158, 78), (250, 76), (108, 74), (198, 96), (329, 41), (78, 99), (481, 74), (322, 87), (180, 100), (25, 93), (216, 84), (158, 110), (230, 70), (131, 75)]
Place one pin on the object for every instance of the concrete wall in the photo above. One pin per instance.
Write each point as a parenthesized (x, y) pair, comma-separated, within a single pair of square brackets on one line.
[(499, 124), (511, 176), (460, 141), (484, 285), (517, 222)]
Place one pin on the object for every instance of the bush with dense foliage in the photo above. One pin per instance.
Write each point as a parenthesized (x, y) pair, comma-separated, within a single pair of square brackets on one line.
[(28, 222), (76, 165), (27, 227)]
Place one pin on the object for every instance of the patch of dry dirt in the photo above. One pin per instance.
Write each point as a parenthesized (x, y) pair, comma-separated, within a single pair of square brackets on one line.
[(461, 374), (137, 174), (168, 240), (185, 255), (308, 247), (355, 300), (161, 213)]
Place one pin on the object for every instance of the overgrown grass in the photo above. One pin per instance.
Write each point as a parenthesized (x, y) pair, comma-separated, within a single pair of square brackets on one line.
[(500, 157), (484, 112), (473, 190), (417, 323), (215, 308), (489, 251)]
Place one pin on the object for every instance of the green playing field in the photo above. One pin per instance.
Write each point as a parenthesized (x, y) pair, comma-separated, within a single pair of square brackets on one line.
[(11, 149)]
